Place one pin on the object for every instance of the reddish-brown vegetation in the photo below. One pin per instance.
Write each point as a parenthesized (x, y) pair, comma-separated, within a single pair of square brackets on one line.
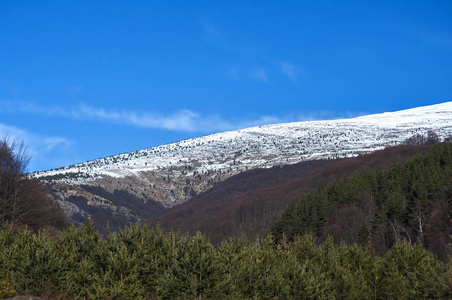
[(23, 200), (247, 203)]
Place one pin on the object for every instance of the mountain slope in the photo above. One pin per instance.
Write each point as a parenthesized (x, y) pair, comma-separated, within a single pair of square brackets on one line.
[(246, 204), (174, 173)]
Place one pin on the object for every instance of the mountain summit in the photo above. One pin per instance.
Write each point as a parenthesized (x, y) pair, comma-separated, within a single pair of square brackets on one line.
[(140, 184)]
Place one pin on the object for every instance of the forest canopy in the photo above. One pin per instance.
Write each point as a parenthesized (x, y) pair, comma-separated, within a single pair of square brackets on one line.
[(142, 262), (410, 201)]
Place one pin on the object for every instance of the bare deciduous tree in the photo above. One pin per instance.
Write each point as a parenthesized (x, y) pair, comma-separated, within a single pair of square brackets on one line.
[(23, 200)]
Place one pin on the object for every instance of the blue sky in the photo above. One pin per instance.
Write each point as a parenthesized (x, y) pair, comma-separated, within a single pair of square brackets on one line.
[(80, 80)]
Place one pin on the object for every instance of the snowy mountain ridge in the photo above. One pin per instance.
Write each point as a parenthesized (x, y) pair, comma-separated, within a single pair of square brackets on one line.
[(309, 140), (171, 173)]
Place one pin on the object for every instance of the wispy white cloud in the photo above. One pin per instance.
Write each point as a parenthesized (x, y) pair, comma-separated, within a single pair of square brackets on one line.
[(37, 143), (39, 147), (30, 108), (260, 74), (233, 73), (182, 120), (215, 37), (291, 71), (187, 120)]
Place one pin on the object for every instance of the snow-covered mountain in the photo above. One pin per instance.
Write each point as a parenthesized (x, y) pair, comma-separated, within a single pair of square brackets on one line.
[(171, 174)]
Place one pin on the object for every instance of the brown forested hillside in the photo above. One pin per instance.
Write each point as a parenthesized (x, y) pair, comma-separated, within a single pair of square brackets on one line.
[(247, 203)]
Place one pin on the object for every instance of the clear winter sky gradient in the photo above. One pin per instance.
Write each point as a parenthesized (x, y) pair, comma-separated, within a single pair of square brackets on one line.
[(80, 80)]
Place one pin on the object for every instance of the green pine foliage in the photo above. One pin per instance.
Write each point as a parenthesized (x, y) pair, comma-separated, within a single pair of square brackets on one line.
[(141, 262), (407, 201), (6, 289)]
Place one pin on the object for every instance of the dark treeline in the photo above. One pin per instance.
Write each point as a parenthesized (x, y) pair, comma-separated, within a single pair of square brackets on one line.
[(410, 201), (141, 262)]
